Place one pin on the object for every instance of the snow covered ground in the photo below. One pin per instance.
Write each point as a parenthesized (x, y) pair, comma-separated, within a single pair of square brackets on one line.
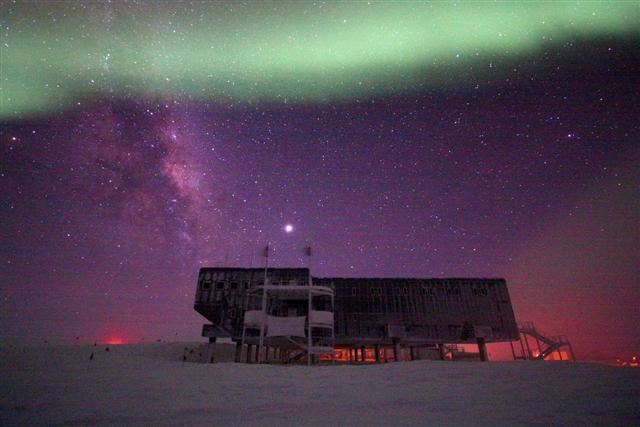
[(149, 384)]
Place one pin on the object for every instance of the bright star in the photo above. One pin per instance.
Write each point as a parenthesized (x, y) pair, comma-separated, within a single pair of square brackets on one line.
[(288, 228)]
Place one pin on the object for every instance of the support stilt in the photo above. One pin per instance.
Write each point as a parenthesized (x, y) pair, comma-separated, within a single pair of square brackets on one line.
[(573, 357), (441, 351), (238, 354), (526, 341), (482, 349), (249, 350), (524, 354)]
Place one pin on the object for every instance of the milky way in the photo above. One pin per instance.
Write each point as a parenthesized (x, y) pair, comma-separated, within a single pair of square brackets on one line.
[(519, 159)]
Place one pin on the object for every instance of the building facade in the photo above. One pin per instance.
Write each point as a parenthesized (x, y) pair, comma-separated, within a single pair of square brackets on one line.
[(368, 312)]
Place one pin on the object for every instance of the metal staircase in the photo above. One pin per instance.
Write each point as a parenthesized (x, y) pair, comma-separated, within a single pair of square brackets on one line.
[(302, 350), (546, 344), (282, 328)]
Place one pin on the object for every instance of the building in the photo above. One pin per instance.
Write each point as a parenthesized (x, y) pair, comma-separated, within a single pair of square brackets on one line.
[(364, 317)]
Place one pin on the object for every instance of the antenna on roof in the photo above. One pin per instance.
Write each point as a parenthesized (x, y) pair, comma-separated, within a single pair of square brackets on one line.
[(264, 302)]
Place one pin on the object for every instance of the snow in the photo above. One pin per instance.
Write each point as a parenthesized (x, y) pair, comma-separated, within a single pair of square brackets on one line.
[(149, 384)]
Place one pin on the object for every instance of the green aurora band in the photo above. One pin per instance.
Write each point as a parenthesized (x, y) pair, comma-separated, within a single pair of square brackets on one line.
[(55, 54)]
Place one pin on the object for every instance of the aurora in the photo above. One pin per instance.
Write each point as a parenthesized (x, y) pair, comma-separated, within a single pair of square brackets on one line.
[(57, 54)]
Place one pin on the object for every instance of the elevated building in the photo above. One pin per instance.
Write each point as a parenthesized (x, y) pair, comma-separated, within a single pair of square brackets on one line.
[(362, 316)]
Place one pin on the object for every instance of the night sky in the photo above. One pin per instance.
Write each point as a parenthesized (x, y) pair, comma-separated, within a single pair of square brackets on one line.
[(142, 141)]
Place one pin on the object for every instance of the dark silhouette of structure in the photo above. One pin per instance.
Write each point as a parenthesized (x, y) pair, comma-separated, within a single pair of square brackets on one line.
[(297, 315)]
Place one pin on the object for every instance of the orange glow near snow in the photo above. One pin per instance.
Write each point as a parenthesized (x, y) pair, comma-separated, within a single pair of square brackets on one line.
[(370, 356), (115, 341)]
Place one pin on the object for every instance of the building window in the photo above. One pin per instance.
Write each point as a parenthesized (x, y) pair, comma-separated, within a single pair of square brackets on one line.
[(220, 285), (206, 285), (234, 285), (354, 292), (479, 292)]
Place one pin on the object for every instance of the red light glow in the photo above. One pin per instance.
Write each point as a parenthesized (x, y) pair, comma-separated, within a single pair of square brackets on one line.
[(115, 341)]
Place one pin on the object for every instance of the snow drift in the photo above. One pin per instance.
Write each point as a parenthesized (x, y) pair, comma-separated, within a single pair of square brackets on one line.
[(149, 384)]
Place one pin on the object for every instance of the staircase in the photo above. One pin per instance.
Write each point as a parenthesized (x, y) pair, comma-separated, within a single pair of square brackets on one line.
[(303, 350), (546, 344), (281, 328)]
